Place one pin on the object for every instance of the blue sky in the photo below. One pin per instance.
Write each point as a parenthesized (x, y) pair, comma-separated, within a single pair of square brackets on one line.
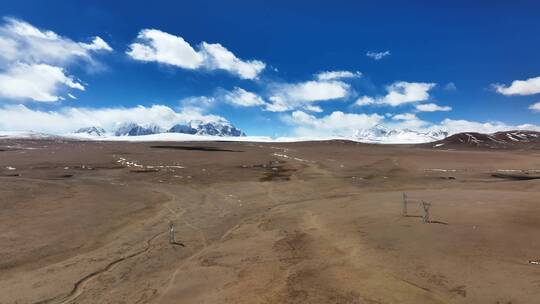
[(461, 66)]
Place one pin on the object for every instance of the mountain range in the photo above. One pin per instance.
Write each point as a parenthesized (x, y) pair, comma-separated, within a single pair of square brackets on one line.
[(194, 127), (381, 134), (438, 139)]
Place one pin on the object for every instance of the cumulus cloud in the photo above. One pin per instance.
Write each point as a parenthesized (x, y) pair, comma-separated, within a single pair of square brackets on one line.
[(409, 121), (364, 101), (312, 108), (334, 75), (198, 102), (342, 124), (335, 124), (399, 93), (313, 91), (457, 126), (431, 107), (97, 44), (404, 116), (69, 119), (285, 97), (520, 87), (218, 57), (278, 105), (535, 107), (157, 46), (22, 42), (378, 55), (38, 82), (453, 126), (33, 61), (243, 98)]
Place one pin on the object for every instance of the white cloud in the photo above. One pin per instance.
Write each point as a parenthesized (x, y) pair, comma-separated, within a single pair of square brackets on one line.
[(157, 46), (69, 119), (335, 124), (198, 102), (453, 126), (405, 92), (457, 126), (399, 93), (22, 42), (431, 107), (346, 124), (409, 121), (39, 82), (520, 87), (243, 98), (378, 55), (218, 57), (404, 116), (33, 61), (364, 101), (97, 44), (278, 105), (8, 48), (334, 75), (288, 96), (314, 90), (450, 87), (313, 108), (535, 107)]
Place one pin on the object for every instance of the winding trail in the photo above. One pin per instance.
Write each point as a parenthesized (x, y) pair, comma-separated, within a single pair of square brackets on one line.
[(78, 287)]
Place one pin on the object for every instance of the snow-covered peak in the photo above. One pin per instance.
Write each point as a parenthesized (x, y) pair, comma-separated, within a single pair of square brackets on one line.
[(133, 129), (439, 134), (197, 127), (374, 132), (94, 131), (381, 134), (184, 129)]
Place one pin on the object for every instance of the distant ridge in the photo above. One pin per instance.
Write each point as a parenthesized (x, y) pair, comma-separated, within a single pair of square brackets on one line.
[(514, 139)]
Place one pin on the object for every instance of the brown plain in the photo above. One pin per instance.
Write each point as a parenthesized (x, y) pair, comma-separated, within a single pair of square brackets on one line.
[(310, 222)]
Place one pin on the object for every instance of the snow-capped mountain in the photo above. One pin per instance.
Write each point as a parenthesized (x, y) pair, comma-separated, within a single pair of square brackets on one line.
[(184, 129), (194, 127), (381, 134), (94, 131), (219, 128), (133, 129)]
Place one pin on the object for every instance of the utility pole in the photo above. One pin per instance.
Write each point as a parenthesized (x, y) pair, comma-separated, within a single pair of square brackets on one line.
[(426, 206), (172, 239), (404, 210), (171, 233)]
